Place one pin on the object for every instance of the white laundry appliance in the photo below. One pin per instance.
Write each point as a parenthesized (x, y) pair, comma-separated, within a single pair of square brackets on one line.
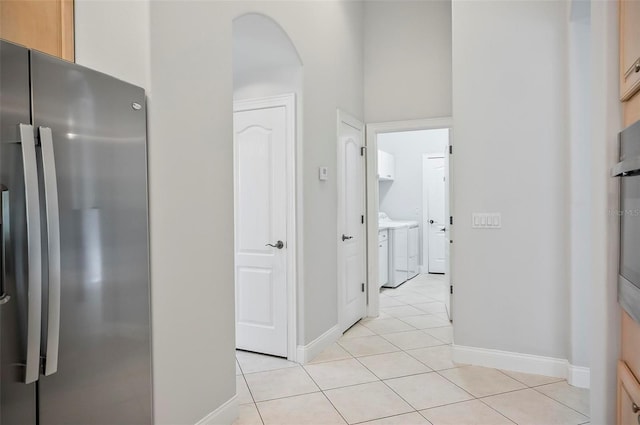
[(403, 249)]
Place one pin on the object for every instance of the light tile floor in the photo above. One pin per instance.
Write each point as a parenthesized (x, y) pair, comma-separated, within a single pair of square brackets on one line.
[(396, 369)]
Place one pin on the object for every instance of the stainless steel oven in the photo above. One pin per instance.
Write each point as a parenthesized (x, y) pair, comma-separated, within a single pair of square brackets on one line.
[(629, 170)]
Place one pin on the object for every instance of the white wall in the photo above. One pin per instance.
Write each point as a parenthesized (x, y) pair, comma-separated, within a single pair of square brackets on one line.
[(402, 198), (407, 59), (510, 156), (113, 37), (580, 166), (605, 123)]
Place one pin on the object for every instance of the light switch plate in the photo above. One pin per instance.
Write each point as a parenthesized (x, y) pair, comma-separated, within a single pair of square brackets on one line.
[(486, 220), (323, 173)]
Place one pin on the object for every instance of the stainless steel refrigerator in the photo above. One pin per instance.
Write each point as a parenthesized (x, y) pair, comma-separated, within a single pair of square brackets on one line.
[(74, 278)]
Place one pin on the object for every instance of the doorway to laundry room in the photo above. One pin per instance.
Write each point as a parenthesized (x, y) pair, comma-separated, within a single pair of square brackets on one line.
[(408, 188)]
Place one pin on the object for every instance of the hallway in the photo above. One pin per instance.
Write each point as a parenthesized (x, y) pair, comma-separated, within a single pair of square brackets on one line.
[(397, 369)]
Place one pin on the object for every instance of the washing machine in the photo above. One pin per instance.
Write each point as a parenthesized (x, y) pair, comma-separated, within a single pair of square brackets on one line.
[(403, 249)]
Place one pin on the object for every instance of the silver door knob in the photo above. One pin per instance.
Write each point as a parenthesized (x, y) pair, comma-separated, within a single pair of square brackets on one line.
[(346, 238), (443, 229), (431, 221), (278, 245)]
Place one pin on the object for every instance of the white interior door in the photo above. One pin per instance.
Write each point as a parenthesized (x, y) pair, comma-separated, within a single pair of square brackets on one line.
[(260, 177), (351, 227), (447, 233), (436, 223)]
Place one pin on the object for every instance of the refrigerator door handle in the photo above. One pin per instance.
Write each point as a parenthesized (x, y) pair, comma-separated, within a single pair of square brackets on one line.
[(53, 249), (34, 257), (4, 235)]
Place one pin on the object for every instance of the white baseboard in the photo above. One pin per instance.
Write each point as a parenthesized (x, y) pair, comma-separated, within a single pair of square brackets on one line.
[(579, 376), (306, 353), (223, 415), (527, 363)]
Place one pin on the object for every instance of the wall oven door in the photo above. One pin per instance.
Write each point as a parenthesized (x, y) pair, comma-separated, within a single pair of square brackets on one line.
[(629, 171)]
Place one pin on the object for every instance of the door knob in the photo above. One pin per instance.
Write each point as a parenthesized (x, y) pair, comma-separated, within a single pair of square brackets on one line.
[(431, 222), (346, 238), (278, 245), (443, 229)]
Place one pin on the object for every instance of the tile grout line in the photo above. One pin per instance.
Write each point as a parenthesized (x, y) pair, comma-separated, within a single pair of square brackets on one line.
[(497, 411), (325, 396), (255, 404), (387, 385), (558, 401)]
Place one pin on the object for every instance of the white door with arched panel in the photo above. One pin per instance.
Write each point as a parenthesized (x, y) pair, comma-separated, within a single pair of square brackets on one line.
[(261, 252), (352, 299)]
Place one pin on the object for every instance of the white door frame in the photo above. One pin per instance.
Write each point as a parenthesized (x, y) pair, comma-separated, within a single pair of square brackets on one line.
[(425, 213), (288, 101), (343, 116), (371, 142)]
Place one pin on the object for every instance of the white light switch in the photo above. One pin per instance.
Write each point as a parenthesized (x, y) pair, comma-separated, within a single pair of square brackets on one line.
[(323, 173), (486, 220)]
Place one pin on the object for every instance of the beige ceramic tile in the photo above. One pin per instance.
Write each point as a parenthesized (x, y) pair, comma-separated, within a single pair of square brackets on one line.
[(402, 311), (472, 412), (356, 331), (530, 379), (481, 381), (444, 334), (406, 419), (393, 365), (386, 302), (308, 409), (414, 299), (252, 362), (238, 370), (242, 391), (433, 307), (574, 397), (425, 321), (427, 390), (280, 383), (248, 415), (331, 353), (339, 373), (412, 339), (367, 346), (386, 326), (529, 407), (366, 402), (437, 358)]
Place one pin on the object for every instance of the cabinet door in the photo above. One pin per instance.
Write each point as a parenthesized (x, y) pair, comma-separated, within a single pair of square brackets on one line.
[(385, 166), (628, 397), (46, 26), (629, 48)]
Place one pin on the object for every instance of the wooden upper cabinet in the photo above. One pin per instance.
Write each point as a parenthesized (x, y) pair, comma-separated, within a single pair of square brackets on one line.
[(629, 48), (44, 25)]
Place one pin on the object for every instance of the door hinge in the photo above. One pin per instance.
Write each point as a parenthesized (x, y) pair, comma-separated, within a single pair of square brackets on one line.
[(451, 220), (362, 219), (362, 150), (450, 149), (363, 287), (451, 289)]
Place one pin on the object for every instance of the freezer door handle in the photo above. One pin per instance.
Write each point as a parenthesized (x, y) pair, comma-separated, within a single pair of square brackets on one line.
[(4, 234), (53, 249), (34, 258)]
